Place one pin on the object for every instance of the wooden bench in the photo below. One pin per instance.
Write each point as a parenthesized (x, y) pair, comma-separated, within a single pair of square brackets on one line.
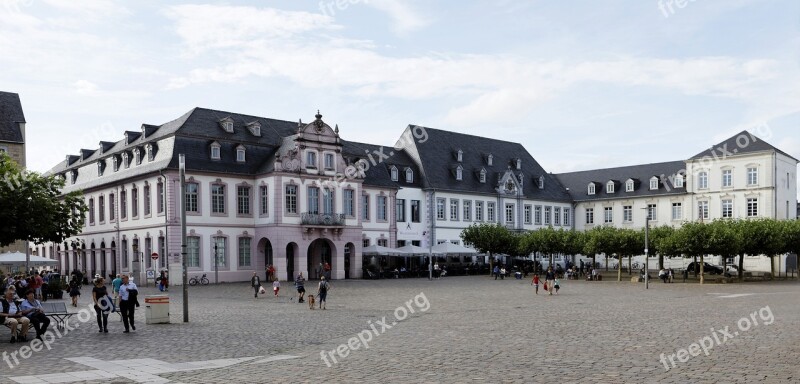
[(58, 311)]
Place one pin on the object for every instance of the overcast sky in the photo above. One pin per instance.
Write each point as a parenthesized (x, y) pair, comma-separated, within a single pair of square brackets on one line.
[(582, 85)]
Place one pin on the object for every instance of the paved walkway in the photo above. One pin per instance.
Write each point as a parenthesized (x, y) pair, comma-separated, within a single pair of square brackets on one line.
[(458, 329)]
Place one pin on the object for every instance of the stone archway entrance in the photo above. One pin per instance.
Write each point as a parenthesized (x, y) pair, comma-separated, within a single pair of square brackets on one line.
[(349, 253), (320, 251), (291, 255)]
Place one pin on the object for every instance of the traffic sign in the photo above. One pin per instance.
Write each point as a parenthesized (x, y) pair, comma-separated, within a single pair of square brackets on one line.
[(154, 256)]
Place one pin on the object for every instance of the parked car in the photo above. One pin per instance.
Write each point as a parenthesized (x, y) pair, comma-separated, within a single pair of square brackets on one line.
[(732, 271), (708, 268)]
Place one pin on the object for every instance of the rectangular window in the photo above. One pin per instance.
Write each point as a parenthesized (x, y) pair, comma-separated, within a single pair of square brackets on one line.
[(264, 198), (91, 211), (327, 201), (702, 210), (727, 178), (219, 251), (702, 180), (678, 181), (311, 159), (589, 215), (627, 214), (467, 208), (191, 197), (651, 212), (548, 215), (112, 208), (313, 200), (608, 215), (365, 243), (349, 203), (727, 209), (243, 200), (752, 176), (400, 210), (123, 204), (217, 198), (244, 252), (135, 202), (147, 200), (440, 209), (677, 211), (381, 208), (509, 214), (752, 207), (160, 193), (125, 254), (453, 210), (490, 212), (557, 216), (479, 211), (527, 214), (567, 217), (537, 215), (415, 211), (148, 250), (101, 208), (193, 252), (329, 161), (291, 199), (365, 207), (382, 242)]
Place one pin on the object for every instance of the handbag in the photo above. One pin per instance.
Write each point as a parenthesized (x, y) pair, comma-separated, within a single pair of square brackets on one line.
[(545, 285), (262, 290)]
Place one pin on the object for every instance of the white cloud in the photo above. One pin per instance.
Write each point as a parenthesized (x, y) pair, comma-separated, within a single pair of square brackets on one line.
[(405, 19), (85, 87)]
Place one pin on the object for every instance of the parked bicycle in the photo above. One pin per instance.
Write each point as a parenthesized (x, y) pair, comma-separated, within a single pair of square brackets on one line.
[(202, 280)]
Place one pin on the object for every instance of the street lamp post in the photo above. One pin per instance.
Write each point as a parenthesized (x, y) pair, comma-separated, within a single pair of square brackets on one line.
[(216, 263), (647, 252)]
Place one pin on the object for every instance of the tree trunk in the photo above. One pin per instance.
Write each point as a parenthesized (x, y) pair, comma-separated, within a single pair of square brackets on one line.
[(619, 269), (629, 266), (772, 266), (606, 262), (741, 267), (660, 261), (491, 264), (702, 270), (695, 266)]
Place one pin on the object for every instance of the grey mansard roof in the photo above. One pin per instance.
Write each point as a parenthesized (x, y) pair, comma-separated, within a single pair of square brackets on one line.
[(379, 174), (10, 115), (578, 182), (742, 143), (438, 155)]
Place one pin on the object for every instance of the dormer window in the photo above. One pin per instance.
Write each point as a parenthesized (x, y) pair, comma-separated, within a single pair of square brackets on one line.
[(115, 163), (101, 166), (328, 162), (653, 183), (521, 178), (483, 176), (73, 176), (591, 189), (125, 160), (150, 154), (629, 186), (137, 154), (460, 156), (610, 187), (255, 128), (541, 182), (240, 154), (409, 175), (489, 160), (678, 181), (215, 151), (519, 163), (227, 124), (459, 173), (393, 170)]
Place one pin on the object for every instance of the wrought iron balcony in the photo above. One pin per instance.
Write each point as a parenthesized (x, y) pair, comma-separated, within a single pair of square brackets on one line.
[(322, 219)]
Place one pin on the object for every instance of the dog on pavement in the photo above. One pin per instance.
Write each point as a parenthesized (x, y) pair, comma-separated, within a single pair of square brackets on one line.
[(310, 301)]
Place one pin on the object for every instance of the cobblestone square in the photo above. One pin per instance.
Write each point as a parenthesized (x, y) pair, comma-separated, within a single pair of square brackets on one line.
[(462, 329)]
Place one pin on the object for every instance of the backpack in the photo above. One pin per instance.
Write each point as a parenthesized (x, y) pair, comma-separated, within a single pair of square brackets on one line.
[(323, 287)]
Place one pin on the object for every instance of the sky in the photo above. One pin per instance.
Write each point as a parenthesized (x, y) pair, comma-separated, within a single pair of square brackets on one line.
[(581, 84)]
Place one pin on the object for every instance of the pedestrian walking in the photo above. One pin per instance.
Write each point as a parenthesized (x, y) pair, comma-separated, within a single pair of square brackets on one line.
[(276, 287), (255, 282), (557, 285), (327, 270), (102, 304), (322, 292), (74, 291), (535, 282), (115, 288), (299, 283), (549, 279), (128, 300), (496, 272)]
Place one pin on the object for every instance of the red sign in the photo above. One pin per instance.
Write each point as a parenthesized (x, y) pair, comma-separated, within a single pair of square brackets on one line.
[(154, 256)]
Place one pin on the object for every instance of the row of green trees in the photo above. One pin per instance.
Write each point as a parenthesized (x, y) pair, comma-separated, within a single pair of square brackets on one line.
[(726, 238)]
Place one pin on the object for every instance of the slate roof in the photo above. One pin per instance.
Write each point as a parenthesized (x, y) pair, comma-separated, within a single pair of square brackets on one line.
[(438, 156), (10, 115), (741, 143), (380, 174), (578, 182)]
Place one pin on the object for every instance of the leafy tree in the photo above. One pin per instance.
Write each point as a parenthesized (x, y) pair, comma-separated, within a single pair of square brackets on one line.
[(662, 243), (695, 239), (723, 240), (490, 238), (547, 241), (791, 234), (630, 243), (33, 209)]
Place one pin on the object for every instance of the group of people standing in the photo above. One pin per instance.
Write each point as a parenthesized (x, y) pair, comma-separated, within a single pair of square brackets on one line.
[(299, 282), (126, 298), (552, 282)]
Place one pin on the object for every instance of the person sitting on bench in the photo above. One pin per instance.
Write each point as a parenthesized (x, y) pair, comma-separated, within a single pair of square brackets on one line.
[(12, 317), (33, 310)]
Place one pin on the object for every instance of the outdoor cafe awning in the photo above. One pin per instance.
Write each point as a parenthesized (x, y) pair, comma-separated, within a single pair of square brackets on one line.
[(453, 249), (18, 258), (414, 250), (377, 250)]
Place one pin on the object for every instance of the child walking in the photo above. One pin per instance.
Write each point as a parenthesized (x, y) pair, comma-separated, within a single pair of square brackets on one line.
[(276, 286), (557, 285), (535, 282)]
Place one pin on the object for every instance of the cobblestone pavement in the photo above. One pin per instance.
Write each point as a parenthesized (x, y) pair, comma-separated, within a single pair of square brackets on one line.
[(475, 330)]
